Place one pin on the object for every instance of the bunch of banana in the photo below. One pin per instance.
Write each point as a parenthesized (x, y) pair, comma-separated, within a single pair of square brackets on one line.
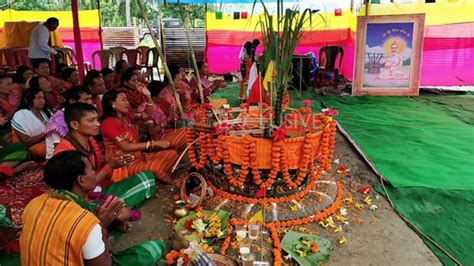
[(213, 225)]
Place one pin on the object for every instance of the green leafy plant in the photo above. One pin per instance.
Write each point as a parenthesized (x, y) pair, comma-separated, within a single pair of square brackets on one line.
[(280, 33)]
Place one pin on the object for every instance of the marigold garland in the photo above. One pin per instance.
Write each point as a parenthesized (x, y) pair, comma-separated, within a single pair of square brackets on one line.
[(247, 200), (272, 227), (225, 244), (189, 140), (171, 257), (277, 260), (203, 150), (253, 162), (318, 215), (275, 163)]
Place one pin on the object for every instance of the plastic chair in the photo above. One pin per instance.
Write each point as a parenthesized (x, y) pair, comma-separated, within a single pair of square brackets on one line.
[(328, 64), (105, 58), (66, 56), (132, 56), (88, 66), (116, 51), (143, 58), (154, 62)]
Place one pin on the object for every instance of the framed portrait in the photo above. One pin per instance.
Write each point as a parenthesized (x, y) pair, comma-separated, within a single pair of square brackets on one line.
[(388, 55)]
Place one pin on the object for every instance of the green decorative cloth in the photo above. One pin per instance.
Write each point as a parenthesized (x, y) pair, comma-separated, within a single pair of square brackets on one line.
[(134, 189), (147, 253), (14, 153), (68, 195)]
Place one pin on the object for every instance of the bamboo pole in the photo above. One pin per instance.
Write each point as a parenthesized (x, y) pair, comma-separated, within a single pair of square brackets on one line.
[(193, 56), (367, 3), (160, 52)]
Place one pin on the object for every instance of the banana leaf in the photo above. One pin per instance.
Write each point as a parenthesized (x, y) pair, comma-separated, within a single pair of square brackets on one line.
[(195, 235), (318, 258)]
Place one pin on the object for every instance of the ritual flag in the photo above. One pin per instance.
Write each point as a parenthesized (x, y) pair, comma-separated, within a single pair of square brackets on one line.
[(268, 76), (375, 1), (218, 15), (256, 93), (258, 217), (430, 1), (338, 12), (236, 15), (243, 15), (253, 76)]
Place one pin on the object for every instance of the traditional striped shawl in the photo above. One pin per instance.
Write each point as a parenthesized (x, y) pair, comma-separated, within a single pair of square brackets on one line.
[(54, 231)]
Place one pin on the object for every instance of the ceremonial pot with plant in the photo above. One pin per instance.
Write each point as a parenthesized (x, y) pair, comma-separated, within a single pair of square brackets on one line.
[(266, 151), (252, 165)]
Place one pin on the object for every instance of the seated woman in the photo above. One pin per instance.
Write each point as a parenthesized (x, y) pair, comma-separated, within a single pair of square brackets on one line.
[(61, 227), (133, 88), (56, 128), (109, 78), (23, 73), (29, 123), (9, 98), (54, 99), (96, 84), (70, 76), (120, 132), (166, 98), (161, 129), (208, 87), (120, 67), (13, 158)]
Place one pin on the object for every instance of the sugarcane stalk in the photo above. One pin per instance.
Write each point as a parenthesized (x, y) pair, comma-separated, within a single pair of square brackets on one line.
[(193, 55), (160, 52)]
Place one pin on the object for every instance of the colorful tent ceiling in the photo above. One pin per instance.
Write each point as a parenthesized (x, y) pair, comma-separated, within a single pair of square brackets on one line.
[(89, 23), (448, 49)]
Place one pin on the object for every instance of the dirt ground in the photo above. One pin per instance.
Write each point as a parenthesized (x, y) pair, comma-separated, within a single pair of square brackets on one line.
[(375, 237)]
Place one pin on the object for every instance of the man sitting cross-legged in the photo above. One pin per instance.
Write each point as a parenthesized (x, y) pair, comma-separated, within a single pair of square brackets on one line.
[(81, 119), (56, 127), (61, 227)]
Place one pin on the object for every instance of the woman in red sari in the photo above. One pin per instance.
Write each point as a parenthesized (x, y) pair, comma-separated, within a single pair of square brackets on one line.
[(162, 123), (120, 67), (132, 88), (54, 99), (121, 136)]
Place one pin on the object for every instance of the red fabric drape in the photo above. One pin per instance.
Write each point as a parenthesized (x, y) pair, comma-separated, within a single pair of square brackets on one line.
[(77, 38)]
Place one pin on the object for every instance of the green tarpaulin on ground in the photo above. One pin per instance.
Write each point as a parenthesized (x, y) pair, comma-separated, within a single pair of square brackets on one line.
[(424, 146)]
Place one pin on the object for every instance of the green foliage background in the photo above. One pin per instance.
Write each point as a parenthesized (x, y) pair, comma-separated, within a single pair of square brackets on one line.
[(113, 11)]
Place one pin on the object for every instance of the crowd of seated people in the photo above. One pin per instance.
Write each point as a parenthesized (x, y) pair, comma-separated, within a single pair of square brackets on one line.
[(102, 137)]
